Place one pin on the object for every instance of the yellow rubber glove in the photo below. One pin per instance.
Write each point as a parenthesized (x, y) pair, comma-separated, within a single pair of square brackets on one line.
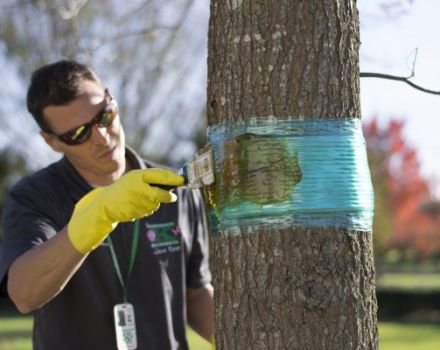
[(129, 198)]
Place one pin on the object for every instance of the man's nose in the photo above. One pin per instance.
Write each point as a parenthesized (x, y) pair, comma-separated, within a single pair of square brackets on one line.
[(100, 135)]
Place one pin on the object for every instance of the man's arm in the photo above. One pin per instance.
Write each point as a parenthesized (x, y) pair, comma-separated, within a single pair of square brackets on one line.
[(42, 272), (200, 308), (38, 275)]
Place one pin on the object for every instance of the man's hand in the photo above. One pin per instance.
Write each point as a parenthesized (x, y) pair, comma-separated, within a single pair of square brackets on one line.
[(131, 197), (200, 309)]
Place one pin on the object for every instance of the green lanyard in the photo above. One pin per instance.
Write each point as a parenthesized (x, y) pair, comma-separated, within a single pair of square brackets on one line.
[(134, 246)]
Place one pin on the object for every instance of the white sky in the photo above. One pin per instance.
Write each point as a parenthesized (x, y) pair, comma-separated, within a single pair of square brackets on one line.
[(387, 46)]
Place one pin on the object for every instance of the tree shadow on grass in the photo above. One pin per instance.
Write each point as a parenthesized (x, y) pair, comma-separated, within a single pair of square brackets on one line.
[(15, 334)]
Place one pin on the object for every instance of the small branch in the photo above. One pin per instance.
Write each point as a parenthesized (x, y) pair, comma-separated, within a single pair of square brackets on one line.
[(413, 71), (403, 79), (142, 32)]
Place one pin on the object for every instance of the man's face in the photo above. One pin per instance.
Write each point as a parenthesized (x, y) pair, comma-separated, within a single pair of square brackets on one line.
[(100, 159)]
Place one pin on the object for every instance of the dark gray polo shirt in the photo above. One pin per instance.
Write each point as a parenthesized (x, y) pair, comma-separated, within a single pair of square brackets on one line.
[(172, 255)]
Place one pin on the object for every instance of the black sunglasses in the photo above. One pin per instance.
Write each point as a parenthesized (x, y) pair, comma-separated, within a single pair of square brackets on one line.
[(82, 133)]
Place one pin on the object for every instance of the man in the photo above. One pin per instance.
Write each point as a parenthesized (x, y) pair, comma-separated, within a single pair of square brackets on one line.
[(101, 254)]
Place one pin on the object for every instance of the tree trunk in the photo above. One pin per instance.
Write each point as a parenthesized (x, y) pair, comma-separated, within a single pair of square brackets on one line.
[(298, 288)]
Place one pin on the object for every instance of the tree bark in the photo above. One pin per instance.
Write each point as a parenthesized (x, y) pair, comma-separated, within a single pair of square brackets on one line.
[(300, 288)]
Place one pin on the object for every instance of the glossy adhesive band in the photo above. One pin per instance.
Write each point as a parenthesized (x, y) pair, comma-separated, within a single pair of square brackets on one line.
[(290, 173)]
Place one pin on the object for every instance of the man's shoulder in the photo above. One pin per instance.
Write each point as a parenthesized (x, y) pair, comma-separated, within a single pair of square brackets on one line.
[(39, 179), (37, 193), (47, 184)]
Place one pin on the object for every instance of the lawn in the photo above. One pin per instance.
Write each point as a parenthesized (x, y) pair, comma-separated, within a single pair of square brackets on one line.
[(400, 336), (15, 332), (409, 281), (15, 335)]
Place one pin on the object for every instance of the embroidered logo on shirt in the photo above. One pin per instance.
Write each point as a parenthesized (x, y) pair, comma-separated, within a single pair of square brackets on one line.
[(163, 237)]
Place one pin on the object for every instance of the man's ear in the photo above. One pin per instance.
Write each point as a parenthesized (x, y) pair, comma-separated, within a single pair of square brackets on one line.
[(50, 141)]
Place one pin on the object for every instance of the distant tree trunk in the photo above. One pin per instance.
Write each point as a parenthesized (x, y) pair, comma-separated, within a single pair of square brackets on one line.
[(299, 288)]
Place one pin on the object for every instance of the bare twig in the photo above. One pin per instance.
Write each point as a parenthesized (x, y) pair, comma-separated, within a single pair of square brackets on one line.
[(403, 79), (71, 9), (142, 130), (96, 45), (129, 15), (413, 70)]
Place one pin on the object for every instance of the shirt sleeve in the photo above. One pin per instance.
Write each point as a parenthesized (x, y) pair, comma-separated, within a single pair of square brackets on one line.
[(198, 272), (24, 226)]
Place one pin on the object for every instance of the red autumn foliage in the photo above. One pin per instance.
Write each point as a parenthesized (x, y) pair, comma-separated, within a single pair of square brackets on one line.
[(401, 191)]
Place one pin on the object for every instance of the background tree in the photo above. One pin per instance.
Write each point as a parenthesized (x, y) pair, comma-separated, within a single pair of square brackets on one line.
[(402, 193), (378, 159), (146, 51), (302, 288)]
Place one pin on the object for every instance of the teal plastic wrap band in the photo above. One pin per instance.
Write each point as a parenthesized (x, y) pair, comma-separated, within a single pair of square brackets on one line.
[(291, 173)]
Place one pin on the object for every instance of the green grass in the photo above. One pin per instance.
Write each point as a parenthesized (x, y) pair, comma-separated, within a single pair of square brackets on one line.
[(15, 332), (409, 281), (398, 336)]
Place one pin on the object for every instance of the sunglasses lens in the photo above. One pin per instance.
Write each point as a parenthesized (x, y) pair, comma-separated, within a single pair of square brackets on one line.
[(76, 136), (109, 114)]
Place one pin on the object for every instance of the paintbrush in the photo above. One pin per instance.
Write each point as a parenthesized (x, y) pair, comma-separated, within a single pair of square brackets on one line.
[(197, 172)]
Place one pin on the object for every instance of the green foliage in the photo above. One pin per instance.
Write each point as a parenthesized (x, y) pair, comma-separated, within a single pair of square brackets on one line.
[(12, 166)]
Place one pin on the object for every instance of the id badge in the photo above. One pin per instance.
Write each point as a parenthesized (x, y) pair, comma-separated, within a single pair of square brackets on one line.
[(125, 326)]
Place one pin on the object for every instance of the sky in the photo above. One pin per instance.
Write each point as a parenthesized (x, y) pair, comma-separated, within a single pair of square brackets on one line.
[(388, 44)]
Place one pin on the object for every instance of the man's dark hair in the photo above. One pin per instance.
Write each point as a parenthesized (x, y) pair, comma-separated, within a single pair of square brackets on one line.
[(56, 84)]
